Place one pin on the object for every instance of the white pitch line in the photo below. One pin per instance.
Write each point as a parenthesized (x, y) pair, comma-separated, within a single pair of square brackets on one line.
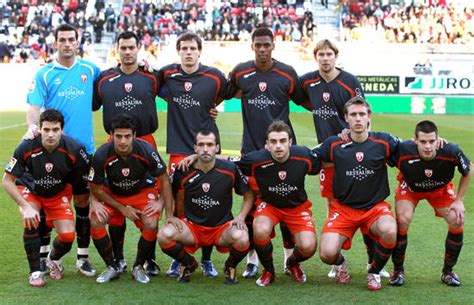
[(12, 126)]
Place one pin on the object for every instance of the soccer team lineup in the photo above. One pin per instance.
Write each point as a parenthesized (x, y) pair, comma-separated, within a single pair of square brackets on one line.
[(62, 181)]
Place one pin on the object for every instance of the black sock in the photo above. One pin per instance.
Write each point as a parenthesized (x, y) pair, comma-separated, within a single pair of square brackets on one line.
[(31, 241), (83, 229), (295, 258), (236, 256), (104, 247), (381, 255), (340, 259), (287, 237), (206, 253), (60, 248), (177, 252), (454, 242), (152, 255), (369, 247), (44, 233), (117, 236), (265, 255), (398, 255), (143, 250)]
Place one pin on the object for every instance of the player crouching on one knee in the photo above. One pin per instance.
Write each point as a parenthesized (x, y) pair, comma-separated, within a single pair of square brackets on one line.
[(123, 177), (205, 192), (42, 175), (426, 172)]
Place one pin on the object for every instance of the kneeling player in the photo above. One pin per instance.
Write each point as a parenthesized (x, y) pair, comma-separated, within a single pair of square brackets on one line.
[(427, 173), (280, 173), (56, 164), (205, 192), (123, 177)]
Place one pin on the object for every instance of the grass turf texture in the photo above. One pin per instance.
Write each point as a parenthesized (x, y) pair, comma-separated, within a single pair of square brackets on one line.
[(424, 257)]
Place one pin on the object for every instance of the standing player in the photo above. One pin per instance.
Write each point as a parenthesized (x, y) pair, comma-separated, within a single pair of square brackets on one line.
[(280, 174), (361, 177), (66, 85), (266, 87), (205, 193), (127, 89), (328, 89), (427, 173), (123, 176), (193, 90), (57, 165)]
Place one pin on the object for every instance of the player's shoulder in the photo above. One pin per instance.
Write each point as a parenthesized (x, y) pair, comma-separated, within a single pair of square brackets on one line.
[(70, 144), (299, 151), (244, 66), (103, 150), (313, 75), (169, 68), (225, 165), (108, 72), (210, 70), (283, 67), (258, 156), (143, 146), (45, 69), (344, 75), (449, 149), (88, 63), (331, 140), (384, 136), (407, 147), (26, 146)]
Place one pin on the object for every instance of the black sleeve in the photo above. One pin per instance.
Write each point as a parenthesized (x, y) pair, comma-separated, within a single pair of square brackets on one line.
[(462, 161), (80, 173), (157, 166), (323, 151), (97, 99), (97, 171), (241, 182), (17, 165), (298, 95), (394, 143)]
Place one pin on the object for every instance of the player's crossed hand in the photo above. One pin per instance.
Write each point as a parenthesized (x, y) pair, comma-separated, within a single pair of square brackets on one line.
[(131, 213), (175, 222), (458, 208), (97, 208), (153, 207), (240, 224)]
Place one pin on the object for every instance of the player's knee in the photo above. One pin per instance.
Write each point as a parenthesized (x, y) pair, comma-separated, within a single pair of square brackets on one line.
[(452, 224), (308, 246), (328, 254), (388, 231), (240, 236), (166, 234), (66, 237), (150, 223), (262, 229), (95, 222), (404, 220)]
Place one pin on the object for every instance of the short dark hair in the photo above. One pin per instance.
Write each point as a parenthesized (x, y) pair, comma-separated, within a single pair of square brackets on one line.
[(426, 127), (188, 36), (325, 43), (128, 35), (262, 32), (357, 100), (279, 126), (65, 27), (205, 132), (51, 115), (123, 121)]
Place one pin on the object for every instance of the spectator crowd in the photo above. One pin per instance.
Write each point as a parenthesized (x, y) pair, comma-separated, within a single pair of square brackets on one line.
[(26, 27)]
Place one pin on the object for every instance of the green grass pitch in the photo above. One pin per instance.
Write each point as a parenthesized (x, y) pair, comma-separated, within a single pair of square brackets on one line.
[(423, 262)]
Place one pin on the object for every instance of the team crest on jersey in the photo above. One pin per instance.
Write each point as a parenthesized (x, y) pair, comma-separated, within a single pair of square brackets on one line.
[(282, 175), (206, 187), (128, 87), (262, 86), (125, 171), (151, 196), (359, 156), (48, 167), (326, 96), (83, 77), (188, 86), (11, 165), (428, 172)]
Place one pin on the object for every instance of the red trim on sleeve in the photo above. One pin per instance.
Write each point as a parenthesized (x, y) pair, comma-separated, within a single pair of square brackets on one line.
[(155, 81), (141, 158), (292, 81), (387, 147), (67, 154), (104, 78), (310, 81), (169, 72), (258, 164), (26, 155), (310, 166), (352, 92), (185, 179), (227, 173), (238, 74), (217, 79), (331, 153), (407, 157), (109, 159), (447, 159)]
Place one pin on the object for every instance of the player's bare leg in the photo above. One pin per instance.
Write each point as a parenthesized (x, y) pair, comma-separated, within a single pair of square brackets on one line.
[(172, 243), (385, 228), (262, 228), (330, 253), (238, 241)]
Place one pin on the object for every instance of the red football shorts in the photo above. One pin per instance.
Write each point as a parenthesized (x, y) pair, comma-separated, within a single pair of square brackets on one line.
[(56, 208), (174, 161), (206, 236), (345, 220), (326, 176), (297, 219), (138, 201), (440, 198)]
